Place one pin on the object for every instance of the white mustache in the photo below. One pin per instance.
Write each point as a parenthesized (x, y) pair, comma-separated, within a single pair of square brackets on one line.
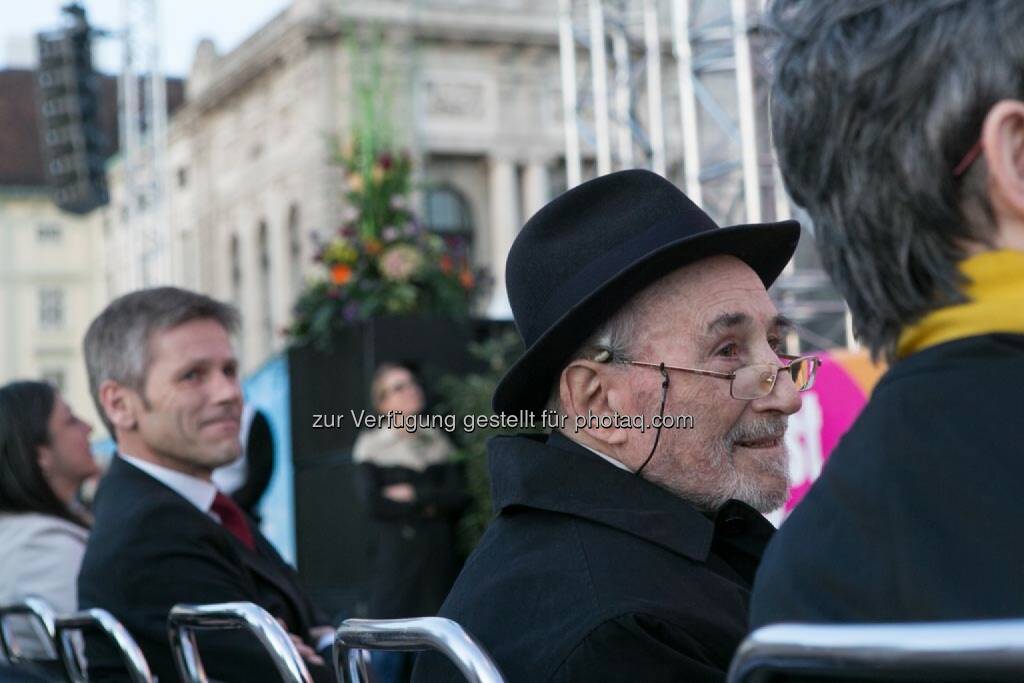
[(758, 430)]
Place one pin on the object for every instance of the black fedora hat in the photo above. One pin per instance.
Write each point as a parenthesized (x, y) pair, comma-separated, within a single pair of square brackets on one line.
[(581, 257)]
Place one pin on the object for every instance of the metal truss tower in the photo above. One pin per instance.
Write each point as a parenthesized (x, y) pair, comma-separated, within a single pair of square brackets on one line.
[(145, 244), (679, 86)]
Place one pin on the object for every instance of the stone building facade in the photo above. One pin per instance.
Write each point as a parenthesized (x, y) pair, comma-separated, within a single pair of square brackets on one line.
[(476, 97)]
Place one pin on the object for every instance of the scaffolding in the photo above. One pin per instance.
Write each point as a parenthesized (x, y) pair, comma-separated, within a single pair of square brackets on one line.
[(705, 74), (142, 100)]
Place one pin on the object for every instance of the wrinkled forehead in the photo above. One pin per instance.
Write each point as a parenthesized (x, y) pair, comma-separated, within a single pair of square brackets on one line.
[(706, 297)]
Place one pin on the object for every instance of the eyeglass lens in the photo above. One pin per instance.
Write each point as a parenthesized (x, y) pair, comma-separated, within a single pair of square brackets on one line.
[(755, 381)]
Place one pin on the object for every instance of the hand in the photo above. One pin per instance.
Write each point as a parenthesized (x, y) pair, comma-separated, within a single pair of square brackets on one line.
[(400, 493), (318, 632), (305, 651)]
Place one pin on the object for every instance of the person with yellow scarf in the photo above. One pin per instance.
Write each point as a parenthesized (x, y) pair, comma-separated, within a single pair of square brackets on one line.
[(915, 186)]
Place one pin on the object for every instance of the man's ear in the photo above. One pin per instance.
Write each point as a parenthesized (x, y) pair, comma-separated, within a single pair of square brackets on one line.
[(588, 388), (1002, 139), (119, 405)]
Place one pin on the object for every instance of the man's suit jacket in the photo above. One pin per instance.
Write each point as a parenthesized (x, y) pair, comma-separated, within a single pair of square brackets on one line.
[(151, 549)]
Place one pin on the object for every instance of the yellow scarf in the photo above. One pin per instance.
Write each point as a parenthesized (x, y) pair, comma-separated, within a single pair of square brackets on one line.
[(996, 293)]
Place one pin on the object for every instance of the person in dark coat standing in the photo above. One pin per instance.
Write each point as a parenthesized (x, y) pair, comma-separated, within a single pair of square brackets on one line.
[(916, 189), (414, 496), (164, 377), (623, 551)]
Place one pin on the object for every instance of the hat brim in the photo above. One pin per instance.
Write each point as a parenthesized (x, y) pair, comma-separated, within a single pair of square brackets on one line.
[(765, 247)]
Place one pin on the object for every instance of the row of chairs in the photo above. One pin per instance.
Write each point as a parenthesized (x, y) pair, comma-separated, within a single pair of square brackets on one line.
[(58, 645), (979, 650)]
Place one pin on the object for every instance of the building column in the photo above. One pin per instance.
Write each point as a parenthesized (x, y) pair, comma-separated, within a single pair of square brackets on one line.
[(503, 201), (535, 187)]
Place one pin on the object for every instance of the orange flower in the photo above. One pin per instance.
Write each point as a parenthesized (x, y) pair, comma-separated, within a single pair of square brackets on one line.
[(466, 279), (341, 274), (373, 246), (446, 264)]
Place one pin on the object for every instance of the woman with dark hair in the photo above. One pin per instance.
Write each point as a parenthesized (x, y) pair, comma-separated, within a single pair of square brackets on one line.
[(44, 458), (415, 497)]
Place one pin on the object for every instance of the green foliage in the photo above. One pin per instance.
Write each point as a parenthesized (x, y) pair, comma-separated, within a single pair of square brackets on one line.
[(471, 395)]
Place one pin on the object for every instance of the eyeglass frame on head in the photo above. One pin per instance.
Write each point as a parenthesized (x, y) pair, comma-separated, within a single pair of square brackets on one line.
[(731, 376)]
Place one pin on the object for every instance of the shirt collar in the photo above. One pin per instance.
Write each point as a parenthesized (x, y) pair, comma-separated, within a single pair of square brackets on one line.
[(197, 491), (606, 458)]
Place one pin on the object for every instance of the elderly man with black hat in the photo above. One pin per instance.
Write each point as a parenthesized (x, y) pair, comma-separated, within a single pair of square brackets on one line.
[(627, 552)]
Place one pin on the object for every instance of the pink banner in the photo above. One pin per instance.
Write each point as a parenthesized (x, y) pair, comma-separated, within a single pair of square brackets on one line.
[(841, 389)]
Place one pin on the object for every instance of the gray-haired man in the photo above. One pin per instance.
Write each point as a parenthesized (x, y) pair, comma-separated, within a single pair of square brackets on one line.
[(916, 186), (165, 380)]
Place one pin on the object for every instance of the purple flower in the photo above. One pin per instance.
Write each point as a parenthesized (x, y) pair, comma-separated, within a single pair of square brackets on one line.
[(349, 214), (390, 233), (350, 312)]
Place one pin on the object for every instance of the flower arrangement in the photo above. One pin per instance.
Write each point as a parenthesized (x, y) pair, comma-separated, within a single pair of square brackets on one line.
[(380, 261)]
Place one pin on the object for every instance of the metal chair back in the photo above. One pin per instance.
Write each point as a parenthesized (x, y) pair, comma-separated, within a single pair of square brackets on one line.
[(184, 620), (71, 652), (410, 635), (38, 613), (992, 650)]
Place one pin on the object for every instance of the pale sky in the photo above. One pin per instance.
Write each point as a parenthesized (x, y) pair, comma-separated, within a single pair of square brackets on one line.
[(183, 24)]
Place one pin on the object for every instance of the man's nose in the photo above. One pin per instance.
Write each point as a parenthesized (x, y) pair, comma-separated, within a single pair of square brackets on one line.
[(227, 388), (784, 397)]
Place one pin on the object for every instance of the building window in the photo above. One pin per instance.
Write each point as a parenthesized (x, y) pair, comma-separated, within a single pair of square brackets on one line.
[(236, 272), (49, 233), (294, 250), (182, 176), (267, 321), (447, 214), (56, 377), (51, 308)]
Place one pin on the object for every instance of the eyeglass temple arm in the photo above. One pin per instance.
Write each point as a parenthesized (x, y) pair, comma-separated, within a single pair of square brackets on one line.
[(709, 373)]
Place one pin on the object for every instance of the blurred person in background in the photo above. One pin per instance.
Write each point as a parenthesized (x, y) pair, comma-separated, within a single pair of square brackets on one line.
[(415, 496), (164, 376), (899, 126), (248, 478), (44, 459)]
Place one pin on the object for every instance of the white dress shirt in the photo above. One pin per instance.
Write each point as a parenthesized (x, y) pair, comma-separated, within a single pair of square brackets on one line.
[(197, 491), (606, 458)]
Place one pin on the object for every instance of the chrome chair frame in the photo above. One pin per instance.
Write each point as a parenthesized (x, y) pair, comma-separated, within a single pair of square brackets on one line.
[(918, 651), (100, 619), (39, 610), (184, 620), (410, 635)]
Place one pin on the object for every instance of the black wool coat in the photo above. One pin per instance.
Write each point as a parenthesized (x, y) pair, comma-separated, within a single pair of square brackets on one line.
[(414, 553), (917, 515), (590, 573), (151, 549)]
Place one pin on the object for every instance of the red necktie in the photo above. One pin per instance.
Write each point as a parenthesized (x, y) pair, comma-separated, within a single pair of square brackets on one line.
[(233, 519)]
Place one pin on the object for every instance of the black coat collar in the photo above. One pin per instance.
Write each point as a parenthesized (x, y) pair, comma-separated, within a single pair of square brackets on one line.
[(559, 475)]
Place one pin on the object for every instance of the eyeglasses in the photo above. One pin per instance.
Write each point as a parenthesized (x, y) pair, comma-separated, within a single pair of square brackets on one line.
[(758, 380), (972, 155)]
